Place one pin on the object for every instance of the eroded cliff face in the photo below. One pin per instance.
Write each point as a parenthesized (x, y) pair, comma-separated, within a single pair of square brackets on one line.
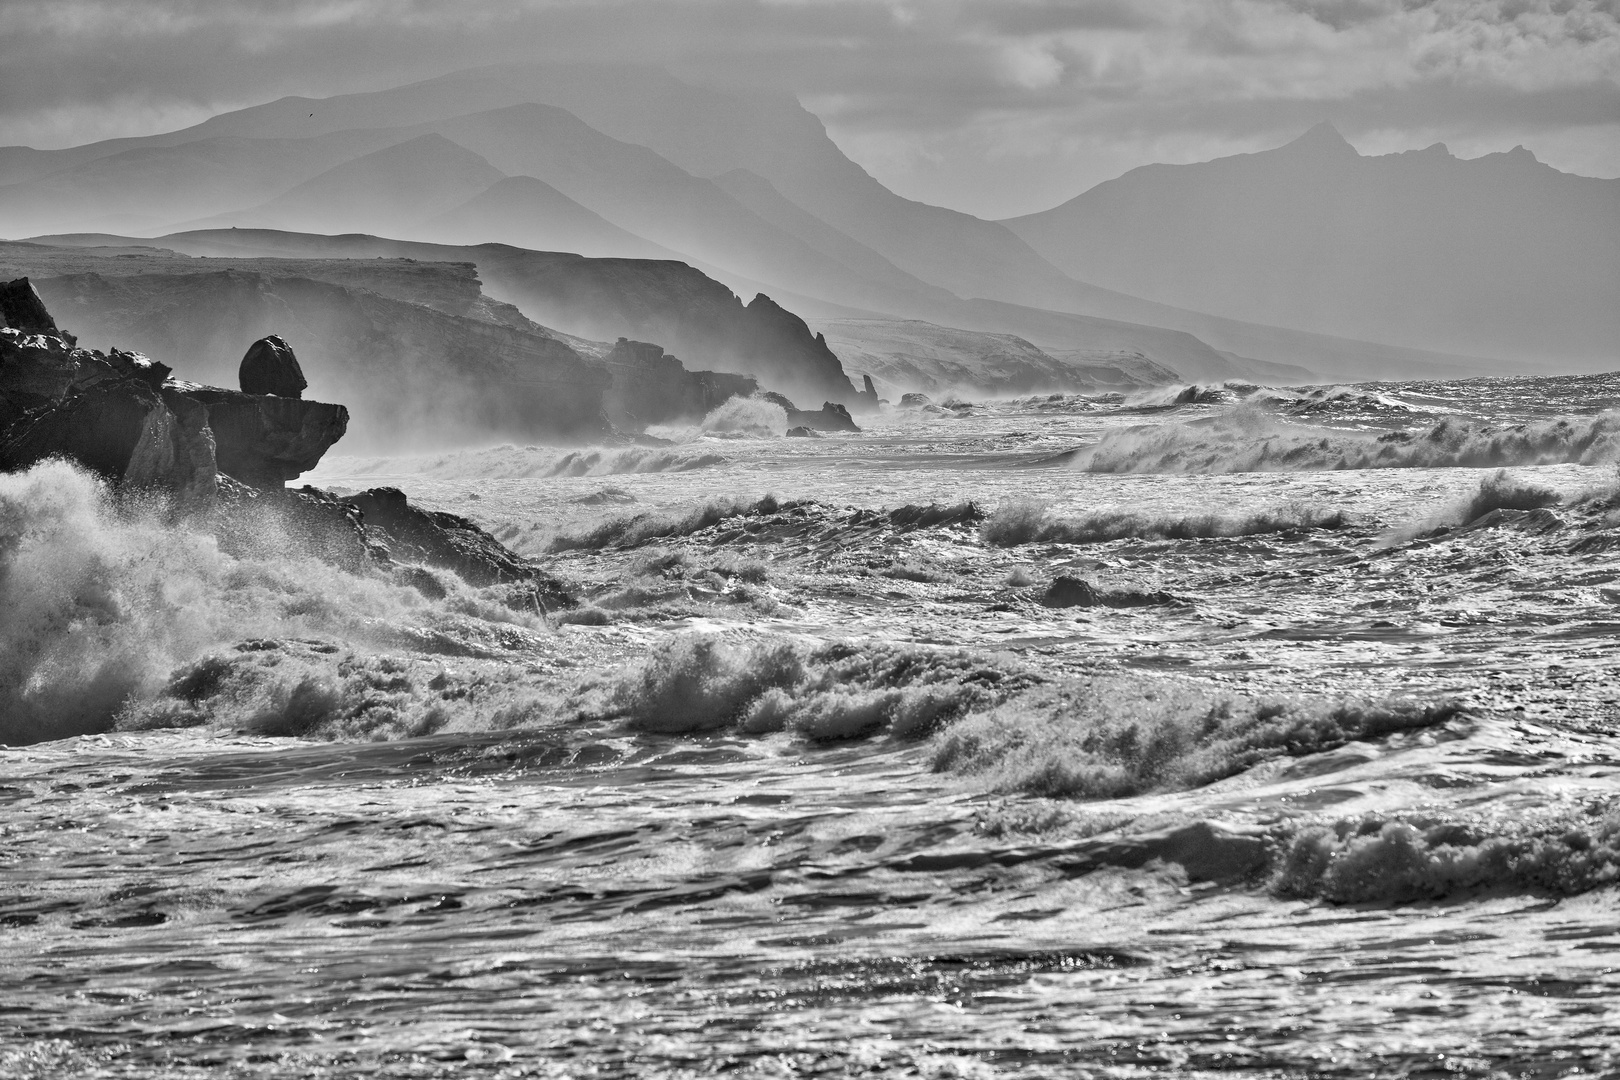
[(681, 308)]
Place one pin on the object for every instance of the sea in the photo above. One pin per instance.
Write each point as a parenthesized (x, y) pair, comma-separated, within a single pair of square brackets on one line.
[(1208, 731)]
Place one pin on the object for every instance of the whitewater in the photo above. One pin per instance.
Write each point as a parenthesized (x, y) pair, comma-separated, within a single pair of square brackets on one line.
[(1218, 730)]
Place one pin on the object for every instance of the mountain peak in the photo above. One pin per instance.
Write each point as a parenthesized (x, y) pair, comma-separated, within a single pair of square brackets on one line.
[(1323, 139)]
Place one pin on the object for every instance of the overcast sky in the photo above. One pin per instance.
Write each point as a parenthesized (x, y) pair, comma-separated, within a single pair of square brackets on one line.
[(997, 107)]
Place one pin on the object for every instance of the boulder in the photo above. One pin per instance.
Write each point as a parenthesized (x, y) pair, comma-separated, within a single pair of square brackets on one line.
[(1071, 592), (1068, 591), (269, 367), (914, 401)]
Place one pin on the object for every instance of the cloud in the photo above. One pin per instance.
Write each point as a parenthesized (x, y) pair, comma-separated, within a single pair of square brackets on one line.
[(995, 106)]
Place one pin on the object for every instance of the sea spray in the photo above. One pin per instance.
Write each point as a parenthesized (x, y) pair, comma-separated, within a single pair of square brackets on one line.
[(104, 598), (1402, 857), (748, 416), (510, 462)]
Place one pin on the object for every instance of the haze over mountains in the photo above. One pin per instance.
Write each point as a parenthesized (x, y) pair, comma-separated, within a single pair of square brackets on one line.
[(1438, 267), (1500, 255)]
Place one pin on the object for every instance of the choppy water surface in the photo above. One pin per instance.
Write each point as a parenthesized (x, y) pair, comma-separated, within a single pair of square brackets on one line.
[(553, 881)]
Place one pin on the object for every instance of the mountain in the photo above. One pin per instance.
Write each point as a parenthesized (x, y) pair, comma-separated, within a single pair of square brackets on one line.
[(748, 188), (526, 212), (148, 187), (385, 191), (1499, 255)]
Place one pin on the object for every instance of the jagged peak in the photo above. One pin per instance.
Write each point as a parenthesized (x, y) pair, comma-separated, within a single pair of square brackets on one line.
[(1323, 138)]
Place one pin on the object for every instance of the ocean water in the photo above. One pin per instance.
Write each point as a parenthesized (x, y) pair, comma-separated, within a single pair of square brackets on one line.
[(826, 777)]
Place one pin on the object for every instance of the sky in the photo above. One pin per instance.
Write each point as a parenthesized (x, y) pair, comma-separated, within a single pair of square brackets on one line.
[(995, 107)]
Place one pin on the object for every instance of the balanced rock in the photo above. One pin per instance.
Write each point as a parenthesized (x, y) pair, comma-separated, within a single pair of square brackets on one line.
[(119, 414), (269, 367)]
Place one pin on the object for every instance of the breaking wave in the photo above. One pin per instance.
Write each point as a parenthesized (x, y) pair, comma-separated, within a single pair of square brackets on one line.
[(1113, 737), (1249, 439), (1409, 857), (104, 598), (822, 692), (747, 416), (633, 529), (1029, 521)]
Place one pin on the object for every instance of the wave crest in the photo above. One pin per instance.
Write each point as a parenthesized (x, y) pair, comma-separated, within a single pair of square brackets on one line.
[(1249, 439)]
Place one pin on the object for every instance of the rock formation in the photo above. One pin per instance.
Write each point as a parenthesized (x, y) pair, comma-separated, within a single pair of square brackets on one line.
[(652, 387), (264, 440), (781, 348), (224, 456), (271, 368), (22, 309)]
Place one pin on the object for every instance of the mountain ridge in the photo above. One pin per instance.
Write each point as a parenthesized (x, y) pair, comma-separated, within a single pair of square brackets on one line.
[(1498, 255)]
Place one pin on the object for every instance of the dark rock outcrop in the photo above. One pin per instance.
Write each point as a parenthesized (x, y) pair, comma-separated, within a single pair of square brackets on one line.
[(779, 345), (652, 387), (225, 457), (439, 539), (867, 400), (401, 367), (269, 367), (914, 401), (1068, 591), (121, 416), (22, 309), (114, 414), (264, 440), (830, 417)]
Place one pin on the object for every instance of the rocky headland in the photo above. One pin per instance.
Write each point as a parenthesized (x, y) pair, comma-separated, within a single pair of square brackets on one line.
[(222, 458)]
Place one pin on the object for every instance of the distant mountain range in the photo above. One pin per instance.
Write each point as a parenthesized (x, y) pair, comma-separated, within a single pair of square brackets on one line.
[(631, 163), (1500, 255)]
